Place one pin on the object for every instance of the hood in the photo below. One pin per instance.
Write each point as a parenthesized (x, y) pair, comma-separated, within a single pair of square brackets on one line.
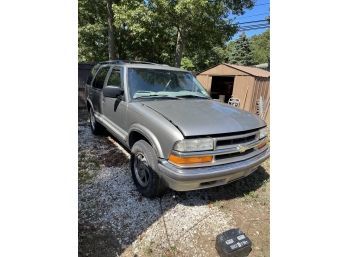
[(205, 117)]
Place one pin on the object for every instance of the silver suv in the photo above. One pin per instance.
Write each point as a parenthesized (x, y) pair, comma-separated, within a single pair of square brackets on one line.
[(178, 136)]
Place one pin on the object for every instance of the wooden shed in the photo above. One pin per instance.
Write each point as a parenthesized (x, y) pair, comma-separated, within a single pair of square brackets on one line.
[(248, 86)]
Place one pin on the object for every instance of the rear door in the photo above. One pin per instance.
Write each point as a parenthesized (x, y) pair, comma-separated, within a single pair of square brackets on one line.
[(114, 110), (90, 79), (97, 87)]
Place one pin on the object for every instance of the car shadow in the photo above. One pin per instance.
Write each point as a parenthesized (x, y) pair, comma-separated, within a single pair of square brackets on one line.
[(238, 188)]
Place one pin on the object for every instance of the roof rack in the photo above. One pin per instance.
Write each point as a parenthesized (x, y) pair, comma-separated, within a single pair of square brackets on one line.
[(140, 62), (129, 61), (112, 61)]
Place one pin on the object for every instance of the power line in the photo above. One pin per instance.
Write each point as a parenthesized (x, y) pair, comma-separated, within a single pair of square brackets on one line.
[(254, 25), (257, 21), (250, 29), (253, 28), (242, 17), (261, 4)]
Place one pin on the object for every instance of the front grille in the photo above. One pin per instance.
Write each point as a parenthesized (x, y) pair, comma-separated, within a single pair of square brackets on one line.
[(231, 155), (236, 147), (223, 143)]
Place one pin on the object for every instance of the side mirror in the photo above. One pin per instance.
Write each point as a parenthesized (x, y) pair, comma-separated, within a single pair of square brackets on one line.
[(112, 91)]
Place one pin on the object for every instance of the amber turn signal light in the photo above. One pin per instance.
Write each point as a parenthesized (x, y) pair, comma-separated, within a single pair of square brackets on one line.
[(189, 160)]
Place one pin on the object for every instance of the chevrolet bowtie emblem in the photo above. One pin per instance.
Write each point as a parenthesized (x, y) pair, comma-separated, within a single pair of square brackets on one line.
[(242, 148)]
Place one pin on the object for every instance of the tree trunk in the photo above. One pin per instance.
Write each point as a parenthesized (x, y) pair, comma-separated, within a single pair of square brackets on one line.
[(178, 49), (111, 31)]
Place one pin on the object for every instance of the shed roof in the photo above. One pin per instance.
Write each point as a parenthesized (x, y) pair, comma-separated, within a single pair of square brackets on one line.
[(257, 72), (253, 71)]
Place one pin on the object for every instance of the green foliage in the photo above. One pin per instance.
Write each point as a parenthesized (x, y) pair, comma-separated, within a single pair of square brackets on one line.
[(241, 52), (246, 51), (187, 64), (152, 30), (260, 47), (205, 58), (142, 33), (92, 31)]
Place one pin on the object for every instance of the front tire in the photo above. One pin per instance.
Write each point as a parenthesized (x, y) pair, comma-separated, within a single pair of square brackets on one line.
[(143, 165), (96, 127)]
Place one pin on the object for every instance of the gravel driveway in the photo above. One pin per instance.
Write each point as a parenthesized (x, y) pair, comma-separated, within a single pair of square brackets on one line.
[(115, 220)]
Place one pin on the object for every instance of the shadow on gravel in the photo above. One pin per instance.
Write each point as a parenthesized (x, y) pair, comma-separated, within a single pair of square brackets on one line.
[(230, 191), (112, 214), (97, 242)]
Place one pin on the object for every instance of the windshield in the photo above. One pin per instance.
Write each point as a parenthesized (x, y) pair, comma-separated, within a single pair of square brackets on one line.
[(151, 83)]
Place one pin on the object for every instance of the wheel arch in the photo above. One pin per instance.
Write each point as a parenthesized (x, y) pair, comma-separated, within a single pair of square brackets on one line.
[(138, 132)]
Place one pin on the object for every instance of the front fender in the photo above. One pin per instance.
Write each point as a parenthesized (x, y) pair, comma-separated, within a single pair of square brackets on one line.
[(149, 135)]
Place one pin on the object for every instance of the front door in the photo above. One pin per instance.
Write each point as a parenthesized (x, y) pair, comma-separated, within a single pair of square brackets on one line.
[(114, 110)]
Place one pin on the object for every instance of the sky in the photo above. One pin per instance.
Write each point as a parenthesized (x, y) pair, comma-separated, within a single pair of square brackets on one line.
[(259, 12)]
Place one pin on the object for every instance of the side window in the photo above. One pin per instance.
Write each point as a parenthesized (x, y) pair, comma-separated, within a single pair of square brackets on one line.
[(115, 78), (100, 77), (92, 73)]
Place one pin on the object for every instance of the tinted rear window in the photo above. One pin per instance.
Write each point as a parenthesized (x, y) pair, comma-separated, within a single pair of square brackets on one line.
[(100, 77)]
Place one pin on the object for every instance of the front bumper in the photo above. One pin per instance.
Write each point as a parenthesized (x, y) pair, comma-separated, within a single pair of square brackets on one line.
[(185, 179)]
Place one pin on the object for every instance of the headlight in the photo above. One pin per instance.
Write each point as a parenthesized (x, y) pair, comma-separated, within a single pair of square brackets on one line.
[(263, 133), (192, 145)]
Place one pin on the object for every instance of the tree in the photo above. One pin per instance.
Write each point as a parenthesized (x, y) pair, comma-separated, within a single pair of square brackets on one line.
[(111, 31), (142, 34), (92, 31), (157, 30), (187, 64), (96, 34), (241, 53), (171, 30), (260, 47), (199, 24)]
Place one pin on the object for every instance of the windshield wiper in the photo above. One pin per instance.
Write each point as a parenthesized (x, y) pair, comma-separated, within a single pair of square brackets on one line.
[(155, 96), (192, 96)]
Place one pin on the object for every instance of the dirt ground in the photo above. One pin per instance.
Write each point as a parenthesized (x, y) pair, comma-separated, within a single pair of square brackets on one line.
[(115, 220)]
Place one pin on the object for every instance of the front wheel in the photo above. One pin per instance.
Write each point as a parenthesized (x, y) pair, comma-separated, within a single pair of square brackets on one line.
[(143, 165)]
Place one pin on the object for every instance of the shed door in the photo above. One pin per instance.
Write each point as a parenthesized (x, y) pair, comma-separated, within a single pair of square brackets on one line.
[(222, 87)]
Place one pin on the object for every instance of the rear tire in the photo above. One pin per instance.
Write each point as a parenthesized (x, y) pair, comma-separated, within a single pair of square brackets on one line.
[(96, 127), (143, 166)]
